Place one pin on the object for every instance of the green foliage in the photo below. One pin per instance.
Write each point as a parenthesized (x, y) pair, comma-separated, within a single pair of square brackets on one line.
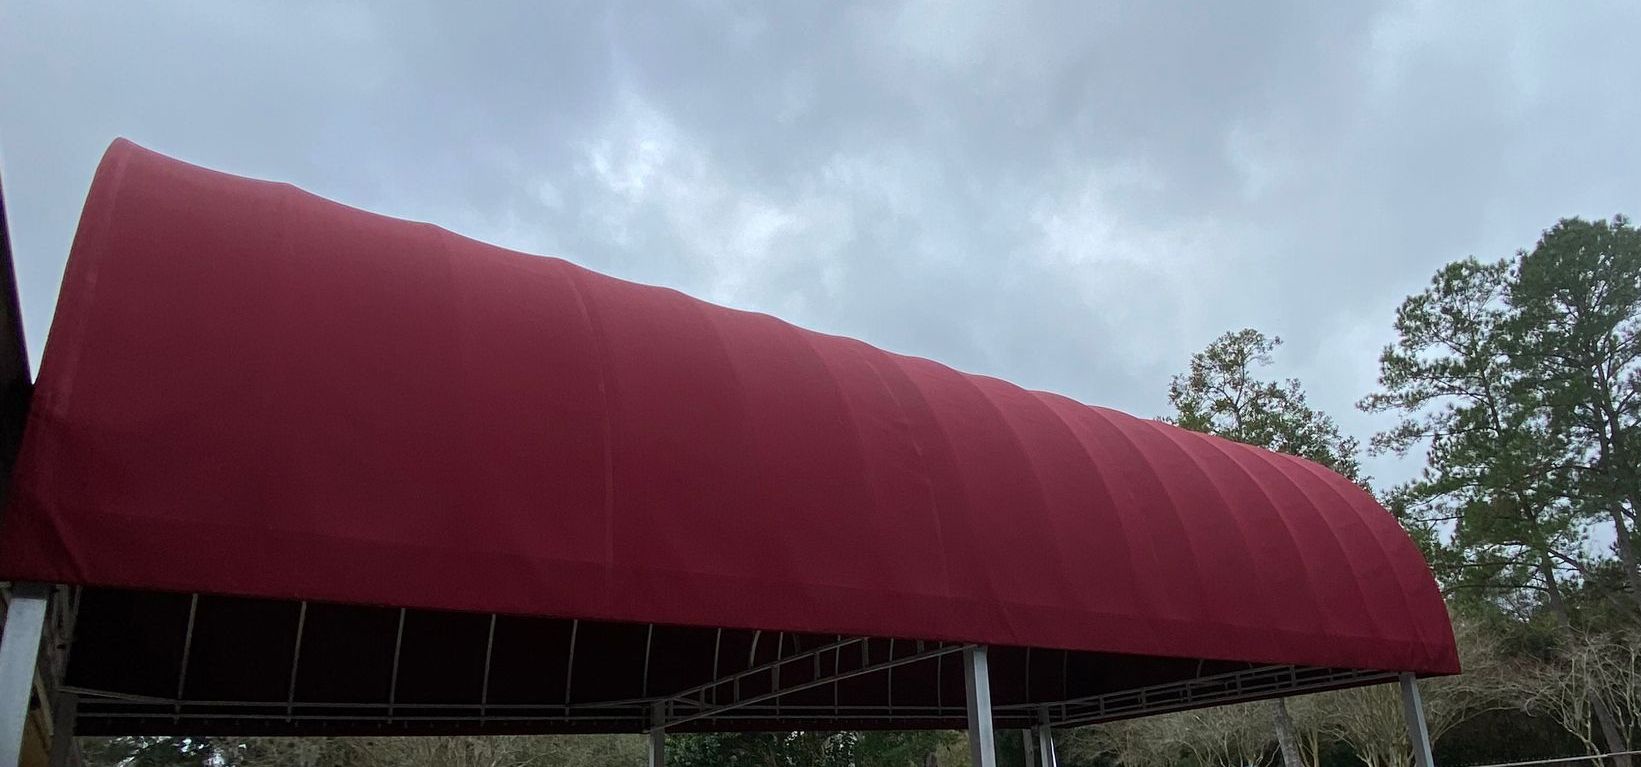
[(1519, 378), (1505, 735), (1488, 506), (808, 749), (498, 751), (907, 749), (148, 751), (790, 749), (1222, 394), (787, 749), (1522, 381), (1576, 338)]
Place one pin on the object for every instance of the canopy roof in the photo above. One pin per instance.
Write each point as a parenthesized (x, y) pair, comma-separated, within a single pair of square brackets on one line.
[(261, 414)]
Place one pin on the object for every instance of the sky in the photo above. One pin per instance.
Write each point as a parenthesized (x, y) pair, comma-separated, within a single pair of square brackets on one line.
[(1072, 196)]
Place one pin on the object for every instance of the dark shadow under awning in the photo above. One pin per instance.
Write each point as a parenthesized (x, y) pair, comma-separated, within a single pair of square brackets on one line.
[(150, 663)]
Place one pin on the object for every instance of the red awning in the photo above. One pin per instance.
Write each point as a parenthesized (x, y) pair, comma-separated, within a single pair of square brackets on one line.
[(252, 391)]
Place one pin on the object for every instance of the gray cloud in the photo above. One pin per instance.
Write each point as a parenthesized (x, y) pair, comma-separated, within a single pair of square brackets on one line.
[(1070, 196)]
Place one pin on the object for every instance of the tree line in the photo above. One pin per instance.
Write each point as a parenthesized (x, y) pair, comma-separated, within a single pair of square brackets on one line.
[(1517, 383)]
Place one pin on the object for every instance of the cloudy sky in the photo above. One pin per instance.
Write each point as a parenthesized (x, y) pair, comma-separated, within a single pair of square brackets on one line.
[(1074, 196)]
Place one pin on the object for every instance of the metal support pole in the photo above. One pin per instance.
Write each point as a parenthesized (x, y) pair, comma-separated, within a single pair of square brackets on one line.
[(1417, 733), (1045, 741), (393, 680), (489, 650), (569, 665), (19, 652), (63, 713), (658, 734), (296, 660), (977, 682)]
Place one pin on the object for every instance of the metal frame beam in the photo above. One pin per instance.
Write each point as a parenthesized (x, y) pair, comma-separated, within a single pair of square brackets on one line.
[(63, 711), (1202, 691), (977, 689), (715, 711), (658, 734), (758, 692), (1046, 755), (699, 694), (1213, 690), (19, 654), (187, 649), (1418, 734)]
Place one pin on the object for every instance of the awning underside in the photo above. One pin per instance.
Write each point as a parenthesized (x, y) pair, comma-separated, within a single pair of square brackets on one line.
[(153, 663)]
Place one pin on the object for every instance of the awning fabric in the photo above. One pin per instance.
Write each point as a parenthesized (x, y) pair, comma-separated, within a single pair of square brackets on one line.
[(251, 391)]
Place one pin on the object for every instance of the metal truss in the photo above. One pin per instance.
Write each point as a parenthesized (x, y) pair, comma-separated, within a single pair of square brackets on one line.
[(697, 705), (1201, 692), (759, 693), (753, 693), (702, 701)]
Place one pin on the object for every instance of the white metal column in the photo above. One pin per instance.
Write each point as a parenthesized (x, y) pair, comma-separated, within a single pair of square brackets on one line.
[(1417, 733), (1045, 741), (19, 652), (658, 735), (977, 681)]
